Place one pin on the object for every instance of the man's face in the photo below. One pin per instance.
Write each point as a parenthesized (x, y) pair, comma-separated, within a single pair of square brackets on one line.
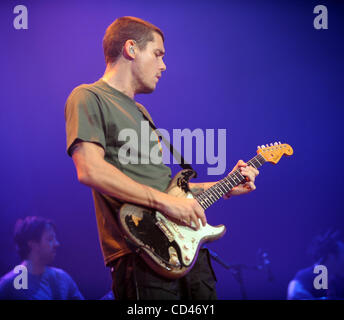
[(148, 65), (46, 248)]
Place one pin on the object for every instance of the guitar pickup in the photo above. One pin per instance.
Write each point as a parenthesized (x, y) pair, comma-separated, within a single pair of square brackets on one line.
[(165, 230)]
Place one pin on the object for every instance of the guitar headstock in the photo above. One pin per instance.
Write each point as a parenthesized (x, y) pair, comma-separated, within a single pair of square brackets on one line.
[(274, 151)]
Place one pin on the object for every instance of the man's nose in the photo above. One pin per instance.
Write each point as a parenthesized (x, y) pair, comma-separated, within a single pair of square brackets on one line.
[(163, 66)]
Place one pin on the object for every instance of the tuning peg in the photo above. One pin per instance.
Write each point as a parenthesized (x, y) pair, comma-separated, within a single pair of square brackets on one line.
[(279, 142), (275, 144), (271, 144), (258, 147), (262, 146)]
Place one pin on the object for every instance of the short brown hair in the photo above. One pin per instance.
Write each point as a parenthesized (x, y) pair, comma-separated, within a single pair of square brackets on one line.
[(123, 29), (29, 229)]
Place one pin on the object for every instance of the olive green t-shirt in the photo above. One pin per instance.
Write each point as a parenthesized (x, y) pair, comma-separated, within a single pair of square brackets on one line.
[(100, 114)]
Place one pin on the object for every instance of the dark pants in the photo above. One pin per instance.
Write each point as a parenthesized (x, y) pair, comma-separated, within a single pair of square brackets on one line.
[(133, 279)]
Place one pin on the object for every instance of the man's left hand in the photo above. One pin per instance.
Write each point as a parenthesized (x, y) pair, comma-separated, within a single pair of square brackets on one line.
[(247, 171)]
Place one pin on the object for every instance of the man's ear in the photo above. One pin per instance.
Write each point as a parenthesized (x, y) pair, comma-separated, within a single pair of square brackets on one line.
[(129, 49)]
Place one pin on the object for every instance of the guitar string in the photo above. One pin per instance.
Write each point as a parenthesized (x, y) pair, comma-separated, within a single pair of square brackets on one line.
[(214, 190), (211, 195), (227, 180)]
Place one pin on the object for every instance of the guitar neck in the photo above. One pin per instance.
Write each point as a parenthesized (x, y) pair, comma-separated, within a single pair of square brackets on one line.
[(218, 190)]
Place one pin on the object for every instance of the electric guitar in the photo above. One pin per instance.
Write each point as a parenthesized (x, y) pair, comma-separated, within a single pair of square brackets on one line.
[(171, 248)]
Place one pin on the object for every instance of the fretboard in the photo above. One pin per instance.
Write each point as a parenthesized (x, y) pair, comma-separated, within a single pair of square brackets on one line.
[(218, 190)]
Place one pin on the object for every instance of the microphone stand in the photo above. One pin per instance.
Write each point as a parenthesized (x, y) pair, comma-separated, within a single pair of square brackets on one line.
[(237, 269)]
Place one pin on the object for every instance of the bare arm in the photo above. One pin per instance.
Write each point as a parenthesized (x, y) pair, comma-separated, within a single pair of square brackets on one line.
[(247, 171), (95, 172), (197, 188)]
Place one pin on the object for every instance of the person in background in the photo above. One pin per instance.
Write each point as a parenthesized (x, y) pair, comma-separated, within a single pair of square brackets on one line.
[(327, 250), (36, 243)]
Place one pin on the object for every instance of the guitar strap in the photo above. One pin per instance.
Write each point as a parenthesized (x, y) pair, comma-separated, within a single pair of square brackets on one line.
[(176, 154), (181, 161)]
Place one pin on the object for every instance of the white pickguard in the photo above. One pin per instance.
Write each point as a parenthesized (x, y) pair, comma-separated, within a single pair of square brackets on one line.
[(188, 238)]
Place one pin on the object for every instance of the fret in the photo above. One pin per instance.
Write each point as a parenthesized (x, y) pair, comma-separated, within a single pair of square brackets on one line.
[(253, 165), (262, 158), (232, 183), (214, 193), (241, 177), (204, 204), (259, 162), (208, 202), (210, 197), (200, 198), (227, 186), (204, 199), (235, 180), (222, 188), (211, 202)]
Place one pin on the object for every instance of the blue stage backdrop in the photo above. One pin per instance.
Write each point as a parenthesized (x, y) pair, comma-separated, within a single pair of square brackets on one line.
[(258, 69)]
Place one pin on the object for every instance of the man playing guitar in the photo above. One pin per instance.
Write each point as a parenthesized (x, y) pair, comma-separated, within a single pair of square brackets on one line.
[(95, 113)]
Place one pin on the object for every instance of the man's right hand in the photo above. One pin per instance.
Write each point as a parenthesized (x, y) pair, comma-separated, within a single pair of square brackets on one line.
[(100, 175), (183, 210)]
